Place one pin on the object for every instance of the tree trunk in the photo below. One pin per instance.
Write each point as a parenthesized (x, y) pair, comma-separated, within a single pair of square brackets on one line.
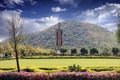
[(17, 60), (15, 49)]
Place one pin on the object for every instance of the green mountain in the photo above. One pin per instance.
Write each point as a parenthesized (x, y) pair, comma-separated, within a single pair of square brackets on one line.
[(75, 35)]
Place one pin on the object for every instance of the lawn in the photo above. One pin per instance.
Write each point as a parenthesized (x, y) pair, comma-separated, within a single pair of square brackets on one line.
[(60, 63)]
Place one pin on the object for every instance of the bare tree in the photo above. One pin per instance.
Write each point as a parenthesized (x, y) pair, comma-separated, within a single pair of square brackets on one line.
[(15, 28)]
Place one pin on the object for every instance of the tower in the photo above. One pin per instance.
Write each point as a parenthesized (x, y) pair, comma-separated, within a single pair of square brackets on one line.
[(58, 38)]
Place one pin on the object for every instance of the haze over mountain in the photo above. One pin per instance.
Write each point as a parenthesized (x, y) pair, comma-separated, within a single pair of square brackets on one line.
[(75, 35)]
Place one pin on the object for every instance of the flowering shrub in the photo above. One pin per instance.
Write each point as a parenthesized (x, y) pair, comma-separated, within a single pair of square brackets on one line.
[(60, 76)]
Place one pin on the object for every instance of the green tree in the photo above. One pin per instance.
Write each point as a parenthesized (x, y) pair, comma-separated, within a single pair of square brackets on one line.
[(83, 51), (93, 51), (118, 29), (105, 52), (63, 51), (8, 50), (21, 50), (1, 49), (31, 50), (73, 51), (115, 51), (52, 51)]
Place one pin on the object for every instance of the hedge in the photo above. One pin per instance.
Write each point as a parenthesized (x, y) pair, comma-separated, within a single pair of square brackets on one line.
[(60, 76)]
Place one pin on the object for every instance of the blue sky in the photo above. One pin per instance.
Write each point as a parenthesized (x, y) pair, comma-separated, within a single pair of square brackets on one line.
[(41, 14)]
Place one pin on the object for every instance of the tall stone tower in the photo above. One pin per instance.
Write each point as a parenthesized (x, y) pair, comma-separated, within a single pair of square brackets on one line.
[(59, 33)]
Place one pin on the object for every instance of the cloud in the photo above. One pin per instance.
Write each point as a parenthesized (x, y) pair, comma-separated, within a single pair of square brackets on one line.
[(34, 25), (4, 17), (30, 25), (33, 2), (12, 3), (69, 2), (1, 5), (102, 16), (57, 9), (110, 26)]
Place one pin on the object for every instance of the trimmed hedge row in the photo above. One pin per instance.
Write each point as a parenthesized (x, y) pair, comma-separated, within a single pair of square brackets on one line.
[(71, 57), (60, 76)]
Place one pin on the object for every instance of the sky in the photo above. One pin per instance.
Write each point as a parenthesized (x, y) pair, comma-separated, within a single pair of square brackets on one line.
[(38, 15)]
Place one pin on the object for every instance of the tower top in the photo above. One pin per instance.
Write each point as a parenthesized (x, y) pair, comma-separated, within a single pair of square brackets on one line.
[(59, 25)]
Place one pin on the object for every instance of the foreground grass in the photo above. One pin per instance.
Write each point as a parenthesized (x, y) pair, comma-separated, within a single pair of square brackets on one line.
[(52, 65)]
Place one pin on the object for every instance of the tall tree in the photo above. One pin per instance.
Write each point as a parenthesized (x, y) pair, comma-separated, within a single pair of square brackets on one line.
[(15, 27), (118, 28)]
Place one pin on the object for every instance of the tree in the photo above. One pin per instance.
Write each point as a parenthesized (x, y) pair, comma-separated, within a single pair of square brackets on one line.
[(1, 49), (8, 50), (118, 29), (84, 51), (52, 51), (105, 52), (63, 51), (115, 51), (21, 50), (73, 51), (15, 26), (93, 51)]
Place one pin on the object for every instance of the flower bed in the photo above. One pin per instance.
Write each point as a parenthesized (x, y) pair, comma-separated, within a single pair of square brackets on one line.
[(60, 76)]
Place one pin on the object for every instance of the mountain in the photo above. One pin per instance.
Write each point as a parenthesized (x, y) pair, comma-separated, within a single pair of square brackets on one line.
[(75, 35)]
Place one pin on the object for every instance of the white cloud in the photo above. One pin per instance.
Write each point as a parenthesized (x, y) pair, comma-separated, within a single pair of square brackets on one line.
[(34, 25), (1, 5), (4, 17), (12, 3), (70, 2), (30, 25), (103, 15), (57, 9), (32, 2)]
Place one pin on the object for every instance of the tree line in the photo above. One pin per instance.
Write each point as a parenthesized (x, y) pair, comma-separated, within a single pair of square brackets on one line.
[(7, 51), (91, 52)]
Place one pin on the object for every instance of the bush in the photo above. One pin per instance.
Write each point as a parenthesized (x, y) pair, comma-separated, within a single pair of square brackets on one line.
[(7, 68), (102, 69), (28, 70), (74, 68), (48, 68), (60, 76)]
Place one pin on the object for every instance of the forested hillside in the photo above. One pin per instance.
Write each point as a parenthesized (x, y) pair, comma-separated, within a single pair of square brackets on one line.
[(75, 35)]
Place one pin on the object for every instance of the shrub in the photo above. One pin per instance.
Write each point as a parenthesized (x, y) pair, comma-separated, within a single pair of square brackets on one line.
[(74, 68), (48, 68), (7, 68), (28, 70), (60, 76)]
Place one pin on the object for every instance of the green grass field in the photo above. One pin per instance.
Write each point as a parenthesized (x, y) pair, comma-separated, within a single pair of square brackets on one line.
[(60, 63)]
